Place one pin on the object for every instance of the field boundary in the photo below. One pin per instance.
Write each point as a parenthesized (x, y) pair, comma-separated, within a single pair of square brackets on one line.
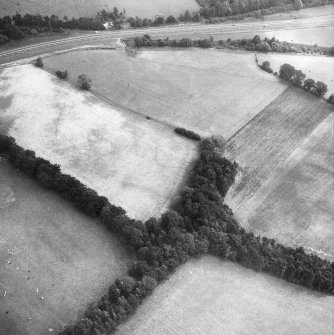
[(254, 117), (112, 103), (252, 252)]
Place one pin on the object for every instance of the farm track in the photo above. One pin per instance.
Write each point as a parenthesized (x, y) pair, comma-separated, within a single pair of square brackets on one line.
[(166, 31), (263, 144)]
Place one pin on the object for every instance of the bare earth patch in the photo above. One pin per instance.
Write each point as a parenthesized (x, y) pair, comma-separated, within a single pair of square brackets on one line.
[(134, 162), (53, 259), (207, 91), (208, 296), (284, 187)]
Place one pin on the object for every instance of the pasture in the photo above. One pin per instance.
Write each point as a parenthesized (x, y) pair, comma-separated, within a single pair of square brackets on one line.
[(272, 197), (207, 91), (53, 259), (136, 163), (76, 8), (315, 67), (208, 296)]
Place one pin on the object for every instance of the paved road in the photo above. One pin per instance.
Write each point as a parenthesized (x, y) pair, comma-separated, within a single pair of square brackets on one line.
[(179, 31)]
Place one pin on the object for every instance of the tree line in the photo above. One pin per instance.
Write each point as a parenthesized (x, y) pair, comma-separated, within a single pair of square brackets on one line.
[(200, 223), (212, 11), (298, 78), (147, 41), (252, 44), (216, 11), (273, 45)]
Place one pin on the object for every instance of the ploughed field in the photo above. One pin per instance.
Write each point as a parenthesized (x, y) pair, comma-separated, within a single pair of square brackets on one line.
[(53, 259), (70, 8), (208, 296), (284, 188), (207, 91), (136, 163)]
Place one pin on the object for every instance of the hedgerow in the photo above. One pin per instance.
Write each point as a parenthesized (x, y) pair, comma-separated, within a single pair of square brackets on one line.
[(188, 133), (199, 224)]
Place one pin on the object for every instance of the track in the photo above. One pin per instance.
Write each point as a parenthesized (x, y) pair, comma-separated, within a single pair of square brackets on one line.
[(166, 31)]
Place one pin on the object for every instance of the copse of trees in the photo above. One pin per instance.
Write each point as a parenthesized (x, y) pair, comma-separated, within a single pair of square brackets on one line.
[(298, 78), (199, 224), (17, 26)]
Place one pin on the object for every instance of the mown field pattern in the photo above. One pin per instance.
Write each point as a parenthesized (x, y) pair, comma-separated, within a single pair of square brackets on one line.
[(53, 259), (208, 296), (207, 91), (76, 8), (262, 148), (134, 162)]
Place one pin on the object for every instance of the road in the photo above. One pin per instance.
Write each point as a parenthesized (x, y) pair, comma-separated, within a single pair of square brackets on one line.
[(179, 31)]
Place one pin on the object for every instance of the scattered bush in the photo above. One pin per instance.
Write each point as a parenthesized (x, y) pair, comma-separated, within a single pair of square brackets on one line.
[(62, 74), (331, 99), (84, 82), (266, 67), (39, 62)]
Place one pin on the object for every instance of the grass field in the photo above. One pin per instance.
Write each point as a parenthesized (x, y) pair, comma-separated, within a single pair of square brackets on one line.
[(315, 67), (76, 8), (299, 209), (322, 36), (208, 296), (208, 91), (134, 162), (53, 259)]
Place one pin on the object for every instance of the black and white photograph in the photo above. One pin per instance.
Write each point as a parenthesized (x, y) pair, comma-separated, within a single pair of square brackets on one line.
[(166, 167)]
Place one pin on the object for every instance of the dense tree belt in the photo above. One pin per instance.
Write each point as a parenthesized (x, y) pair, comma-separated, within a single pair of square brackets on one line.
[(200, 223), (222, 8), (212, 11)]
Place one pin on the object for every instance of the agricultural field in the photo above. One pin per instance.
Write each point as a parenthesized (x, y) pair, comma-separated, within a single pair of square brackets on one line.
[(53, 259), (322, 36), (136, 163), (208, 296), (299, 204), (207, 91), (142, 8), (284, 187), (315, 67)]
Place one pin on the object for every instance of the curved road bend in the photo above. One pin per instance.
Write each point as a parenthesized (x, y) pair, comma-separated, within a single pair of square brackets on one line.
[(162, 32)]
